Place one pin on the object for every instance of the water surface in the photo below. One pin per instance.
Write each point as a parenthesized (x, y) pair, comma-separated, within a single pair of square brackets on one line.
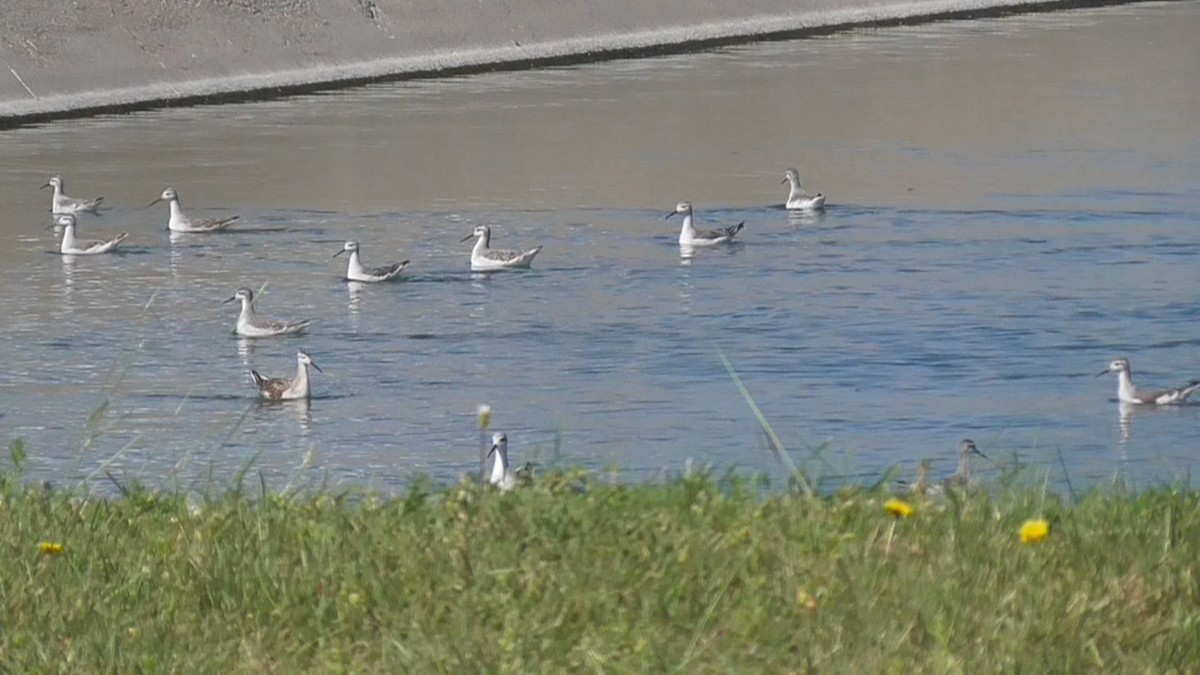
[(1013, 203)]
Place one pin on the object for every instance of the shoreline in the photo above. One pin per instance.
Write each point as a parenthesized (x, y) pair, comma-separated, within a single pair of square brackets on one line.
[(207, 80)]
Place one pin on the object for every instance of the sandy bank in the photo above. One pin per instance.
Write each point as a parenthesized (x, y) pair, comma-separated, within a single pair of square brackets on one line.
[(105, 57)]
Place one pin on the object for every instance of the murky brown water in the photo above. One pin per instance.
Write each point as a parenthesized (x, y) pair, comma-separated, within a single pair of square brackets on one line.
[(1013, 203)]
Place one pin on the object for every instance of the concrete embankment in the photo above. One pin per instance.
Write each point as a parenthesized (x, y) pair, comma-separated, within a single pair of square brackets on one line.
[(80, 58)]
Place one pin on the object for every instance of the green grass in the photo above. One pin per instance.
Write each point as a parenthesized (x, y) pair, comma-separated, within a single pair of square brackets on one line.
[(573, 574)]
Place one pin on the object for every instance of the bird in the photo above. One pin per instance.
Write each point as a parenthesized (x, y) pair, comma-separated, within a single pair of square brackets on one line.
[(484, 259), (61, 204), (1128, 393), (73, 246), (962, 477), (501, 476), (798, 199), (181, 223), (689, 236), (249, 325), (355, 271), (283, 389)]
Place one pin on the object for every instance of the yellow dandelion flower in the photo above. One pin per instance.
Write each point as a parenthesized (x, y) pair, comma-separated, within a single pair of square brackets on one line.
[(51, 548), (1033, 531), (898, 508), (484, 415)]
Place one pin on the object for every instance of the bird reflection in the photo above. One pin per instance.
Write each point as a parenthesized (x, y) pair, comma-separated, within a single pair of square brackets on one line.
[(246, 347), (68, 264), (686, 289), (303, 411), (799, 218), (1125, 420), (355, 290)]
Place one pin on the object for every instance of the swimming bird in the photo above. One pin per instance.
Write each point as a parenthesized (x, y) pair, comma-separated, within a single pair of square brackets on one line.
[(484, 259), (501, 477), (283, 389), (798, 199), (690, 236), (961, 478), (250, 325), (1128, 393), (73, 246), (181, 223), (61, 204), (355, 271)]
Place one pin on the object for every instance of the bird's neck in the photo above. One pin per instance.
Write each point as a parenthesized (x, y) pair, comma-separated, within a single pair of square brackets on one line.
[(1125, 389), (687, 223), (499, 467), (247, 310), (481, 244), (301, 381)]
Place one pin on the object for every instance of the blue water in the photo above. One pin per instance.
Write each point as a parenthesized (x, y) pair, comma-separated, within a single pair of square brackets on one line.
[(988, 249)]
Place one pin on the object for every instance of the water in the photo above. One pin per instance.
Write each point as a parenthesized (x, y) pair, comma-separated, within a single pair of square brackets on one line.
[(1013, 203)]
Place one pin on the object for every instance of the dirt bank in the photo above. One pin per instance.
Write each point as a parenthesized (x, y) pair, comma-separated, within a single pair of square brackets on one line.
[(66, 59)]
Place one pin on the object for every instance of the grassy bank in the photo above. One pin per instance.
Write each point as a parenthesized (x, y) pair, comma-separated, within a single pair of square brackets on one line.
[(575, 575)]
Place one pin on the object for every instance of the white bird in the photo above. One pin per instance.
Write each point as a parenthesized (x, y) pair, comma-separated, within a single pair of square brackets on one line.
[(283, 389), (73, 246), (484, 259), (798, 199), (61, 204), (181, 223), (501, 476), (1128, 393), (689, 236), (355, 271), (250, 325)]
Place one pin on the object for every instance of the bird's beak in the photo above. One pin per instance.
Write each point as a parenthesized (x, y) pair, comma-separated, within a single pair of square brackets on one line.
[(44, 186), (976, 451), (51, 226), (469, 236), (670, 214), (492, 451), (783, 181), (1103, 372), (152, 203), (314, 365), (226, 302), (337, 254)]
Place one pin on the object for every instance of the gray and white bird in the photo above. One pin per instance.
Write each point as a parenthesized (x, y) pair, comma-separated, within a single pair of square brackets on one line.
[(251, 325), (486, 259), (689, 236), (61, 204), (502, 477), (181, 223), (1128, 393), (72, 246), (963, 477), (356, 271), (284, 389), (798, 199)]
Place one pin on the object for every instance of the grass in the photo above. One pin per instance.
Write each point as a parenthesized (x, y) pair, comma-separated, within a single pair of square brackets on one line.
[(574, 574)]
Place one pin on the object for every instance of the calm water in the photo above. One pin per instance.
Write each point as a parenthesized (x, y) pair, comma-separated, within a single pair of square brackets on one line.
[(1013, 203)]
